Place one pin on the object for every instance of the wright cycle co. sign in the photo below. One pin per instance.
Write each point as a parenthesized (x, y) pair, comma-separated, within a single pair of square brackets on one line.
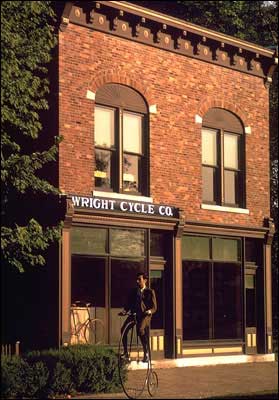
[(125, 206)]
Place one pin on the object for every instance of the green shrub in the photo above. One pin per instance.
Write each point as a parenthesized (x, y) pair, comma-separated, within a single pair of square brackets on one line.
[(19, 378), (72, 369)]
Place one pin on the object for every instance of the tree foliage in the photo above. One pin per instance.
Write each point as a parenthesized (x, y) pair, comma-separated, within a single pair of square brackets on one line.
[(27, 39)]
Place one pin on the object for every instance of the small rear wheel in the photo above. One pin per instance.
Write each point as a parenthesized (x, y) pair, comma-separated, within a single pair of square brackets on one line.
[(152, 383), (94, 332)]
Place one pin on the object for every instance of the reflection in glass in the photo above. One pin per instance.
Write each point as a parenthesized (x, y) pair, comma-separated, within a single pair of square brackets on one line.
[(230, 185), (250, 301), (127, 242), (103, 168), (89, 240), (157, 248), (131, 168), (88, 286), (209, 184), (104, 127), (123, 280), (195, 300), (209, 147), (132, 133), (156, 283), (226, 249), (195, 247), (227, 301), (231, 151)]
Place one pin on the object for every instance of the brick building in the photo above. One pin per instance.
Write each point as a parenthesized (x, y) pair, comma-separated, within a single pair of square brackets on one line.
[(164, 167)]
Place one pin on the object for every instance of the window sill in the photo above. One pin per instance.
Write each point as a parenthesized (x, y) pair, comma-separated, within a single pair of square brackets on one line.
[(225, 209), (124, 196)]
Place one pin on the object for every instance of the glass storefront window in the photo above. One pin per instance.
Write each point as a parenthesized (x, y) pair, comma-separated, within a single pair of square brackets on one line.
[(196, 305), (195, 248), (157, 248), (212, 288), (226, 249), (227, 301), (123, 280), (127, 243), (88, 282), (157, 284), (89, 240)]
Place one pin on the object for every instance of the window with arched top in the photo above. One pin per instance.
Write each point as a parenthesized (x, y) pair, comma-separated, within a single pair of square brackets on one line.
[(121, 140), (223, 159)]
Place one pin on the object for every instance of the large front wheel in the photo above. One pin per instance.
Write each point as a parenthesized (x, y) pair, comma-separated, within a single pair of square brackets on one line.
[(133, 373)]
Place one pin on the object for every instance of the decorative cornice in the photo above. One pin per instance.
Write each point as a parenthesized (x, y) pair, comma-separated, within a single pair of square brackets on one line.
[(127, 20)]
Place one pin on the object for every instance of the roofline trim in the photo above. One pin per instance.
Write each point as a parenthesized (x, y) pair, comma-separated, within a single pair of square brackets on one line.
[(184, 25)]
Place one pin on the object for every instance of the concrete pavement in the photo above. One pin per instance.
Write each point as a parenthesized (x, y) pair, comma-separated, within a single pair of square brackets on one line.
[(198, 382)]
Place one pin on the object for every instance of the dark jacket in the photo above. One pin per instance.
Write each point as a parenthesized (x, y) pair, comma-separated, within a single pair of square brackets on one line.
[(148, 301)]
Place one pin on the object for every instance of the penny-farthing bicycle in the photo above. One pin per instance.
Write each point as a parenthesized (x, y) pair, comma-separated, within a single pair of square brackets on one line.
[(134, 374)]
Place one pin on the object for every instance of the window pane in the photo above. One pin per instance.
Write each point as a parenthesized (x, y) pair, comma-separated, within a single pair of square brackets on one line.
[(226, 249), (209, 147), (231, 151), (209, 184), (227, 301), (103, 168), (88, 285), (230, 186), (195, 300), (132, 135), (250, 300), (104, 127), (157, 283), (157, 247), (127, 243), (89, 240), (123, 280), (194, 247), (131, 169)]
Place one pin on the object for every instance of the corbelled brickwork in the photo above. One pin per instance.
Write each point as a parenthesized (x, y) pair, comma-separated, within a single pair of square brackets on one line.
[(182, 88)]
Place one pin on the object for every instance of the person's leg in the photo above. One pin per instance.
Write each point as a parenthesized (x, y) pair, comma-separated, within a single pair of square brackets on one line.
[(125, 335), (144, 337)]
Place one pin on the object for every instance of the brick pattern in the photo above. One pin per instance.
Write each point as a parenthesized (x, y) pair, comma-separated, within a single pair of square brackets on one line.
[(181, 87)]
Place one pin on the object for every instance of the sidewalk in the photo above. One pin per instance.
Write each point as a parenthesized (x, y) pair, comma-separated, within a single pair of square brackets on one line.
[(210, 381)]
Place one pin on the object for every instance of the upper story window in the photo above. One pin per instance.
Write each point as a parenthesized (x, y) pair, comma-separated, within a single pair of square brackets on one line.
[(222, 159), (121, 140)]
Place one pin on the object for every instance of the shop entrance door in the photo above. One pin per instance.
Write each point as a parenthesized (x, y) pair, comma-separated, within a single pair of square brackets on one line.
[(251, 308), (157, 331)]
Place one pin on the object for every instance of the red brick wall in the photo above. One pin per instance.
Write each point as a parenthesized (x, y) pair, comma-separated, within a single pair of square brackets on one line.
[(181, 87)]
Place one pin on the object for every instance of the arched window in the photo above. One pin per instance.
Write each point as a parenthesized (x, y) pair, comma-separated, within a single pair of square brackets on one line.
[(223, 159), (121, 140)]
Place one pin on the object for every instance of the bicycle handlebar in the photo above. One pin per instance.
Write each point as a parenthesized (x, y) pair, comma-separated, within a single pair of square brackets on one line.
[(79, 303)]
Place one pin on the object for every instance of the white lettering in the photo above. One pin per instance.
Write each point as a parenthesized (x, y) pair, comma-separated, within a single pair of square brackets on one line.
[(91, 203), (122, 206), (96, 203), (150, 209), (131, 205), (136, 207), (112, 202), (84, 202), (76, 200), (104, 204), (162, 210), (169, 211)]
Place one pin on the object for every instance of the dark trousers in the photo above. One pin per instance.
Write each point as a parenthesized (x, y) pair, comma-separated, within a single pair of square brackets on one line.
[(143, 323)]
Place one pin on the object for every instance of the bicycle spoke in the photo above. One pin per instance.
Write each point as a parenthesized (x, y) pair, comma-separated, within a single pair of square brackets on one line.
[(133, 373)]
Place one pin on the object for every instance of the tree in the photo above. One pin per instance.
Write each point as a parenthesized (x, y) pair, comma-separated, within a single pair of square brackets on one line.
[(27, 39)]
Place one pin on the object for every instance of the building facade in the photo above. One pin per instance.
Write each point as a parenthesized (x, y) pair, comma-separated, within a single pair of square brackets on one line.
[(164, 167)]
